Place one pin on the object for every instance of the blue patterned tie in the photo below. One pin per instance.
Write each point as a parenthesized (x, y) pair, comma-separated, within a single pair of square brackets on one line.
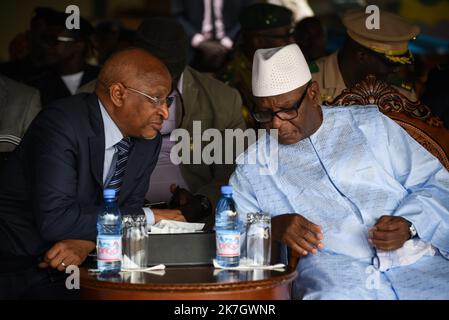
[(122, 147)]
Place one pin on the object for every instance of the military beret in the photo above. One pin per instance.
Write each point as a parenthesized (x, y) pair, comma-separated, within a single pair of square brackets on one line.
[(390, 39), (260, 16)]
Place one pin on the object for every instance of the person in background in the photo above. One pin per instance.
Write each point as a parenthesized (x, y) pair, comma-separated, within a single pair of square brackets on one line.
[(19, 104), (212, 27), (310, 37), (71, 48), (263, 26), (300, 8), (33, 58), (381, 52), (110, 36)]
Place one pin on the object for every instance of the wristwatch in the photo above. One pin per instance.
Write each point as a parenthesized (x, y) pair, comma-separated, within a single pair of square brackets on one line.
[(413, 231)]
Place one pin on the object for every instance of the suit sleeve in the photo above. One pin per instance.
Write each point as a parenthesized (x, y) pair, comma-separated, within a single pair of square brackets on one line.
[(53, 171), (221, 173)]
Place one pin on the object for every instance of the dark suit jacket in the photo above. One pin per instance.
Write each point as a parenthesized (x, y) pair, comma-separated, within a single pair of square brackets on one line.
[(52, 87), (190, 14), (51, 187)]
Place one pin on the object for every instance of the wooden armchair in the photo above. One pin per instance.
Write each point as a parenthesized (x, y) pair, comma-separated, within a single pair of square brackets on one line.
[(415, 117)]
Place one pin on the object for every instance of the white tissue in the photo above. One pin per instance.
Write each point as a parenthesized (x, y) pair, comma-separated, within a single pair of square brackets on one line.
[(148, 269), (411, 251), (246, 264), (171, 226)]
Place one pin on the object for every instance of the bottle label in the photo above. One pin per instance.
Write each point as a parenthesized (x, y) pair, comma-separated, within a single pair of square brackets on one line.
[(109, 248), (228, 243)]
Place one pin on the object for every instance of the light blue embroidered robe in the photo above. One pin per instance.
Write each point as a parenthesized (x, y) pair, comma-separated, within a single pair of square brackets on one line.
[(358, 166)]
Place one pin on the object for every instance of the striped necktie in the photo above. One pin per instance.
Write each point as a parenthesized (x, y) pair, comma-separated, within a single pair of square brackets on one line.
[(122, 147)]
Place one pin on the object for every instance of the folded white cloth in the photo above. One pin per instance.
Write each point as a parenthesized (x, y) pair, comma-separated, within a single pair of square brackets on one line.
[(246, 264), (171, 226), (146, 269), (153, 268), (411, 251)]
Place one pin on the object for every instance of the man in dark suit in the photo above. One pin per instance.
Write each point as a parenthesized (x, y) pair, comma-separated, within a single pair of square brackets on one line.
[(51, 188), (70, 48)]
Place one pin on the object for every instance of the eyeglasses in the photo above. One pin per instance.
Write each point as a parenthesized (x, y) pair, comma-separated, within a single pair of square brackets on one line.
[(283, 114), (157, 101)]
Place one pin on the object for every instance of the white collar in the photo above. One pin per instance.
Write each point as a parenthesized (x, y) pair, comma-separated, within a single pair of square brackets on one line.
[(112, 134)]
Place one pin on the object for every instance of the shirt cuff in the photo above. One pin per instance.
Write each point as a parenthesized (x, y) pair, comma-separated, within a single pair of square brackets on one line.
[(227, 42), (149, 215), (197, 39)]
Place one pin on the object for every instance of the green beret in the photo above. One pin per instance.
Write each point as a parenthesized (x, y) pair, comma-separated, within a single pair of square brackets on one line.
[(260, 16)]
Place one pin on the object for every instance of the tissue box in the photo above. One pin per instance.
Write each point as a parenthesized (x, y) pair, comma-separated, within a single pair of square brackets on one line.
[(197, 248)]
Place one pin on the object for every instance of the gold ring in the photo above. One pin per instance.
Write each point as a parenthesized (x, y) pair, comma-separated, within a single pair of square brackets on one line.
[(63, 264)]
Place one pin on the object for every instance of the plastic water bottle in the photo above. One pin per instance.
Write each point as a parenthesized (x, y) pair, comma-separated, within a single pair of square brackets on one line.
[(109, 236), (227, 229)]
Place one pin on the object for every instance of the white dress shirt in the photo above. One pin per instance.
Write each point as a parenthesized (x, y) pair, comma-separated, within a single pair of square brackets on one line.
[(113, 135), (73, 81)]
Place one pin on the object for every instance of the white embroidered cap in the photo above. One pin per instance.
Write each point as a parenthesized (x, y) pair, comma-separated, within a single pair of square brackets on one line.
[(279, 70)]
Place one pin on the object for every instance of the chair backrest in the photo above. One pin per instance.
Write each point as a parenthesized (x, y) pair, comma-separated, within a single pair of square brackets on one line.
[(415, 117)]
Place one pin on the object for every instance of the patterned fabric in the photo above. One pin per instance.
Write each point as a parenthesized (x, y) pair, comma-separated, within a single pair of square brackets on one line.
[(122, 148), (358, 166)]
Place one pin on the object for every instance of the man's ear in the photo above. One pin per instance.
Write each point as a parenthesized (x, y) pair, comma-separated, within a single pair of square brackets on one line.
[(116, 93), (314, 92)]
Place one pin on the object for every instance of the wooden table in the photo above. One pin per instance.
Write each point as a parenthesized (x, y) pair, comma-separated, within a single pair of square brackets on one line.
[(190, 283)]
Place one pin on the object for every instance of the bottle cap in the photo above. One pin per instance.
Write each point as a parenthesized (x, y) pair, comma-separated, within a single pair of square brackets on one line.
[(226, 189), (109, 193)]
